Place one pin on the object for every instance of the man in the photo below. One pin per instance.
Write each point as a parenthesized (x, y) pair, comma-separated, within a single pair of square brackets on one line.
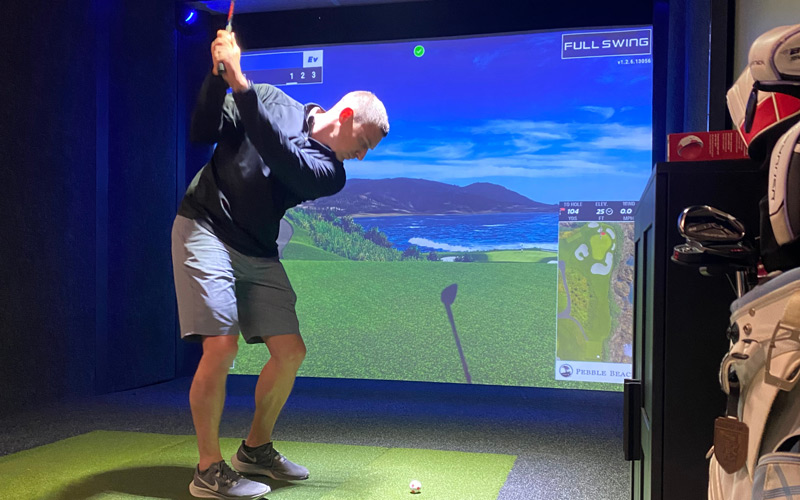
[(271, 154)]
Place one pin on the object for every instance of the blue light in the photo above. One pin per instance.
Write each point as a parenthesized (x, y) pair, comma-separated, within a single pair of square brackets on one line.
[(189, 19)]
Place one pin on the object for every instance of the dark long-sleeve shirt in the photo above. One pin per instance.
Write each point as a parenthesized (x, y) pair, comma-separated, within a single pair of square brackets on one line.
[(264, 163)]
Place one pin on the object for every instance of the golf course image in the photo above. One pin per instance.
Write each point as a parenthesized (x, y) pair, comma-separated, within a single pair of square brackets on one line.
[(388, 319)]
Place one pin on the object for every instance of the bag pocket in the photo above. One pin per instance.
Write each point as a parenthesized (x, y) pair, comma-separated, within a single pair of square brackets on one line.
[(777, 476)]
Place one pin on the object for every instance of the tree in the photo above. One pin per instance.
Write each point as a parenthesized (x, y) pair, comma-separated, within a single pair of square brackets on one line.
[(433, 256), (374, 235), (351, 226), (412, 252)]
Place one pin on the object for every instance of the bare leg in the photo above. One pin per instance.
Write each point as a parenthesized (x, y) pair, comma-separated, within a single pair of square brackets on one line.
[(274, 384), (207, 395)]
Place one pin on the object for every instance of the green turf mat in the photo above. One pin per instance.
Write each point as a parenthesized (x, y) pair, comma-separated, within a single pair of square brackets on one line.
[(127, 465)]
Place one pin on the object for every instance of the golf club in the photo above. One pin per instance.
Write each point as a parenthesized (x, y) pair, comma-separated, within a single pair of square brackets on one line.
[(706, 224), (448, 297), (715, 245), (228, 28)]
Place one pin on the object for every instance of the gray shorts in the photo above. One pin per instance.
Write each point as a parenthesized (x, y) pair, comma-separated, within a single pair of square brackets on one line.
[(222, 292)]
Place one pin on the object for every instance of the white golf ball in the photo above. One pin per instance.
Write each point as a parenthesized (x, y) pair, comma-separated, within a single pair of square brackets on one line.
[(415, 486)]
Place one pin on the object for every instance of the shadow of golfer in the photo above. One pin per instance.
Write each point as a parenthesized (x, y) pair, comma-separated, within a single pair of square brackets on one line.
[(162, 481)]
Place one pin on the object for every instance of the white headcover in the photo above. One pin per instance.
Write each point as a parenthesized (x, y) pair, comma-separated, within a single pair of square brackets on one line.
[(775, 55), (774, 112), (775, 58), (784, 187)]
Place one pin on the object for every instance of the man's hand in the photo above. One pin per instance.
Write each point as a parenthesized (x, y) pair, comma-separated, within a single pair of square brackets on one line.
[(225, 50)]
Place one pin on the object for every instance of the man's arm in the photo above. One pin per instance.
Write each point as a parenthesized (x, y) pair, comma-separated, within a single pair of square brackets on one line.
[(213, 108), (308, 173), (207, 117)]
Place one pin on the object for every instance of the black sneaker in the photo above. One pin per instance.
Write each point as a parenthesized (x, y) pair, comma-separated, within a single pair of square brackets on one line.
[(266, 461), (220, 481)]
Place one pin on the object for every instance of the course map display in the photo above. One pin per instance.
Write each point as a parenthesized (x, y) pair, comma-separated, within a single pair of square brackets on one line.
[(595, 291)]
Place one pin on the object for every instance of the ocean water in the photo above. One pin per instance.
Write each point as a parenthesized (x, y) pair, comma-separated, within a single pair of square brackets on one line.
[(463, 233)]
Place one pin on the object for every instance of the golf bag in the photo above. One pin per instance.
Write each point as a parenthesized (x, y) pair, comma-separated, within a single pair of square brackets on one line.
[(756, 451)]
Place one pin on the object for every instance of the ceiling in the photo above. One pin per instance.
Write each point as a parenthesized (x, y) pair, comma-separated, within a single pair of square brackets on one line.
[(249, 6)]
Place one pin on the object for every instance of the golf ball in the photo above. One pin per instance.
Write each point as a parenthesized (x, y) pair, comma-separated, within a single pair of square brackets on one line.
[(415, 486)]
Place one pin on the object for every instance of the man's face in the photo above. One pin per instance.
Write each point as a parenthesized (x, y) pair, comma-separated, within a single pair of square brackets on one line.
[(356, 139)]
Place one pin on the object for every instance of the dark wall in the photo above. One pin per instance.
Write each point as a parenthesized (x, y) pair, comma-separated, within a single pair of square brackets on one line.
[(87, 139), (47, 201), (694, 44), (140, 347)]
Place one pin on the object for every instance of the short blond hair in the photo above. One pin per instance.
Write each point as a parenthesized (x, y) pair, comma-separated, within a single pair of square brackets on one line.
[(367, 109)]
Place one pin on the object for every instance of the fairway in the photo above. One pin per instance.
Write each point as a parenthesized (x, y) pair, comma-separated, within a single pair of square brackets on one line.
[(386, 320)]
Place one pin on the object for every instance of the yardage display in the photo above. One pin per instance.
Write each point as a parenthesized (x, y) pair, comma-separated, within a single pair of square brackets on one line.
[(284, 68), (608, 211), (594, 325)]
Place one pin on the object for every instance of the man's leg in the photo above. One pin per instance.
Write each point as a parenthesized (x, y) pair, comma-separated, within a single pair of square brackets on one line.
[(207, 395), (266, 305), (274, 384), (204, 287)]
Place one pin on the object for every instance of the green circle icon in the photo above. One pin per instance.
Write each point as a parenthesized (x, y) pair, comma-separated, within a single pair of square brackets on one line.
[(419, 51)]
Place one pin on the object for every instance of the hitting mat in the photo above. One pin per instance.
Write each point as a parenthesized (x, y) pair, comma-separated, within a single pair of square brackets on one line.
[(128, 465)]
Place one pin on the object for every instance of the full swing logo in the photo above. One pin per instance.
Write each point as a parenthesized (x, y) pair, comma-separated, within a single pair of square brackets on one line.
[(607, 43)]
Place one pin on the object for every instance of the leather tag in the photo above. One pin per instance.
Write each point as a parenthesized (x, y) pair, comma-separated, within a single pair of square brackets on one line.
[(730, 443)]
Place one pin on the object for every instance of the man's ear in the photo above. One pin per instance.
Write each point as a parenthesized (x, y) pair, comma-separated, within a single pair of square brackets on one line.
[(345, 115)]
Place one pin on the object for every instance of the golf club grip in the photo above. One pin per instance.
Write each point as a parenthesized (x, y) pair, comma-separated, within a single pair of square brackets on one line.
[(228, 28)]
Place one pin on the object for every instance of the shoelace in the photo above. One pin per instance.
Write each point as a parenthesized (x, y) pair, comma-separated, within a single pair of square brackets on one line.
[(269, 454), (228, 475), (272, 454)]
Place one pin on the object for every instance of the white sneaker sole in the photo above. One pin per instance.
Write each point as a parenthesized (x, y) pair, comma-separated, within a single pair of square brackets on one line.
[(205, 493)]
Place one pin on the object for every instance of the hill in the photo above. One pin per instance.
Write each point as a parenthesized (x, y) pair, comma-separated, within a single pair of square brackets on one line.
[(404, 196)]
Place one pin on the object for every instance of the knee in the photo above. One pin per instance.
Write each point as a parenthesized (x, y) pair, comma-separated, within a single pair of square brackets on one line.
[(221, 350), (294, 355), (288, 351)]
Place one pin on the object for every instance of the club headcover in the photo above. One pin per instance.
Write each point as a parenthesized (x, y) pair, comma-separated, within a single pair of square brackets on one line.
[(784, 187), (775, 55), (765, 100)]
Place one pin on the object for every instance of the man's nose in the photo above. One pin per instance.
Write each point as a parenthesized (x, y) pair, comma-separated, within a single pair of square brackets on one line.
[(361, 154)]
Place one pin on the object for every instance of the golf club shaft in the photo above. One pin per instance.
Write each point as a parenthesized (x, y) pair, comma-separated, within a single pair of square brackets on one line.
[(741, 283), (458, 344), (228, 28)]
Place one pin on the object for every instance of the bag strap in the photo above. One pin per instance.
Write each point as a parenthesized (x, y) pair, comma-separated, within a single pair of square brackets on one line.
[(790, 324), (733, 395)]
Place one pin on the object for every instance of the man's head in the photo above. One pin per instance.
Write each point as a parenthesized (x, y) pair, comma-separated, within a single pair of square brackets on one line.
[(353, 126)]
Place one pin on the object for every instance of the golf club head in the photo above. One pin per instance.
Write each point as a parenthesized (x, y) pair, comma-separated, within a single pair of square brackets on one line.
[(449, 294), (692, 255), (739, 259), (740, 251), (708, 225), (731, 257)]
